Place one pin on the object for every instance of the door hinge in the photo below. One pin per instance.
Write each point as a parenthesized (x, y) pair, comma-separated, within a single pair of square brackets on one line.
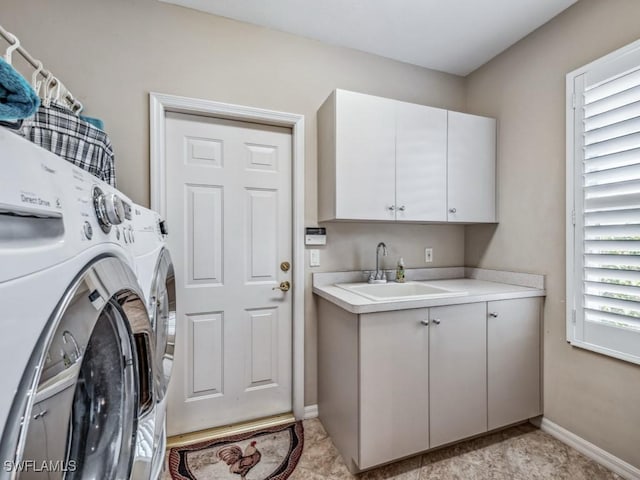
[(573, 101), (573, 317), (573, 217)]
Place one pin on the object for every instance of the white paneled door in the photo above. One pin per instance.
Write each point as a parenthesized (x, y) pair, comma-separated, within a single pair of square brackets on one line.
[(229, 207)]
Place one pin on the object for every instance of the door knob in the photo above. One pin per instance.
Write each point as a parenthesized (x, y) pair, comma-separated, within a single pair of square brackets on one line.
[(436, 321), (402, 208), (425, 322), (391, 208), (284, 286), (452, 210), (493, 315)]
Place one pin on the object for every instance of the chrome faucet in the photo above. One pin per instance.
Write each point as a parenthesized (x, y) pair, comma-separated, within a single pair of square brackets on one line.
[(379, 276)]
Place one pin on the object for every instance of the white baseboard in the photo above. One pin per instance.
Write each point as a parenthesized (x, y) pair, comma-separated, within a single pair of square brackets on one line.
[(588, 449), (310, 411)]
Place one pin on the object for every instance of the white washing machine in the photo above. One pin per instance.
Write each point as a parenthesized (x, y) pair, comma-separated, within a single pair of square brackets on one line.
[(155, 273), (77, 344)]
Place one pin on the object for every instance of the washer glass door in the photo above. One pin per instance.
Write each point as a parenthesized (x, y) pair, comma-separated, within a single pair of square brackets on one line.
[(83, 417)]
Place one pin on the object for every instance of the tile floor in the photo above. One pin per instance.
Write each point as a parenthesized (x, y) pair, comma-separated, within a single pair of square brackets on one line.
[(518, 453)]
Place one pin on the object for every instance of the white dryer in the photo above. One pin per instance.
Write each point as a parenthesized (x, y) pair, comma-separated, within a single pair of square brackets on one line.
[(155, 273), (76, 350)]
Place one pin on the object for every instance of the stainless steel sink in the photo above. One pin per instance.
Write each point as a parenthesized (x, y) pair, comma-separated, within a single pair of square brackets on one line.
[(398, 291)]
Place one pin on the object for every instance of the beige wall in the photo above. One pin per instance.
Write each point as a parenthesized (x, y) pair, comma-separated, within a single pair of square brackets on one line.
[(111, 54), (594, 396)]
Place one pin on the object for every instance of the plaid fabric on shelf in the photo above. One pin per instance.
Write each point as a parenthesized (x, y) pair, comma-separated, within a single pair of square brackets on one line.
[(59, 130)]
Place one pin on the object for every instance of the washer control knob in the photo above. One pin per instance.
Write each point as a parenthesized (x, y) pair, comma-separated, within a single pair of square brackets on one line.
[(117, 233), (87, 229), (114, 209), (109, 209)]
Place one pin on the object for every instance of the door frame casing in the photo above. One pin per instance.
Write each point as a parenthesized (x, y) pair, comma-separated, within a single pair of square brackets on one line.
[(159, 105)]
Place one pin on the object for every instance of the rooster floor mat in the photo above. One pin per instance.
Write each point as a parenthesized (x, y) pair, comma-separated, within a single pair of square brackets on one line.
[(268, 454)]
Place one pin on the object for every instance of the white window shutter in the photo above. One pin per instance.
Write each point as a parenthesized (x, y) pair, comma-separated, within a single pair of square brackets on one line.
[(604, 264)]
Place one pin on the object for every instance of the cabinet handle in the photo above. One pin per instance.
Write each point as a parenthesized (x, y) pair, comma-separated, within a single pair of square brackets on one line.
[(391, 208), (452, 210), (425, 322), (436, 321), (402, 208), (493, 314)]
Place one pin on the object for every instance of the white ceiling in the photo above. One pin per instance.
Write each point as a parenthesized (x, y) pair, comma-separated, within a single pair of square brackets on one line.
[(455, 36)]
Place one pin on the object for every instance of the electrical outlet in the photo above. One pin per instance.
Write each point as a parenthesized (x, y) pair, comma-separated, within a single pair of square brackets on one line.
[(314, 258), (428, 255)]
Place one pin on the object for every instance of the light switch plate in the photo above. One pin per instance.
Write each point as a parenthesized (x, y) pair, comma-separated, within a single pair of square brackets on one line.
[(314, 258)]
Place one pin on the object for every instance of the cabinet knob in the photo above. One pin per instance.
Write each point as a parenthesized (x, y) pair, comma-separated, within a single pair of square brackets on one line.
[(436, 321), (391, 208), (424, 322), (402, 208), (452, 210), (493, 314)]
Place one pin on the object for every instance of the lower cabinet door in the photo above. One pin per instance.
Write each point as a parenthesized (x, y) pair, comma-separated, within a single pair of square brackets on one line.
[(513, 360), (457, 372), (394, 389)]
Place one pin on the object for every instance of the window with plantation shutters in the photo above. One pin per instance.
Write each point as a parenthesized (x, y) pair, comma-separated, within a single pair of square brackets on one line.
[(603, 199)]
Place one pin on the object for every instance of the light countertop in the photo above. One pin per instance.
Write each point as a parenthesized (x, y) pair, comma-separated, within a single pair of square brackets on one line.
[(477, 291)]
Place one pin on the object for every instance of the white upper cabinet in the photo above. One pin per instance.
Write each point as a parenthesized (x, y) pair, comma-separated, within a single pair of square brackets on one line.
[(356, 161), (386, 160), (471, 161), (421, 163)]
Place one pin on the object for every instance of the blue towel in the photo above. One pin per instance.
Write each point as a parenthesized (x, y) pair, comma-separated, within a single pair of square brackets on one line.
[(96, 122), (17, 98)]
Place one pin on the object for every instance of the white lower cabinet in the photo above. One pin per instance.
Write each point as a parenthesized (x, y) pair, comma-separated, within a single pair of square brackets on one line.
[(457, 372), (393, 384), (513, 361)]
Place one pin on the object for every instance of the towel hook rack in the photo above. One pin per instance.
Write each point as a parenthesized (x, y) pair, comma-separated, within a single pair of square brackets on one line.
[(34, 78), (11, 48), (37, 64), (48, 88)]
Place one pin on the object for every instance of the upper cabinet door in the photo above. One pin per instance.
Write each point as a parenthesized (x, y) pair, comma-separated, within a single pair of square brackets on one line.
[(472, 168), (421, 163), (365, 157)]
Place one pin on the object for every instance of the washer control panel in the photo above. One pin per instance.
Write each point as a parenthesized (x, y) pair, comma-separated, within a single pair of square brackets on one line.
[(104, 210)]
